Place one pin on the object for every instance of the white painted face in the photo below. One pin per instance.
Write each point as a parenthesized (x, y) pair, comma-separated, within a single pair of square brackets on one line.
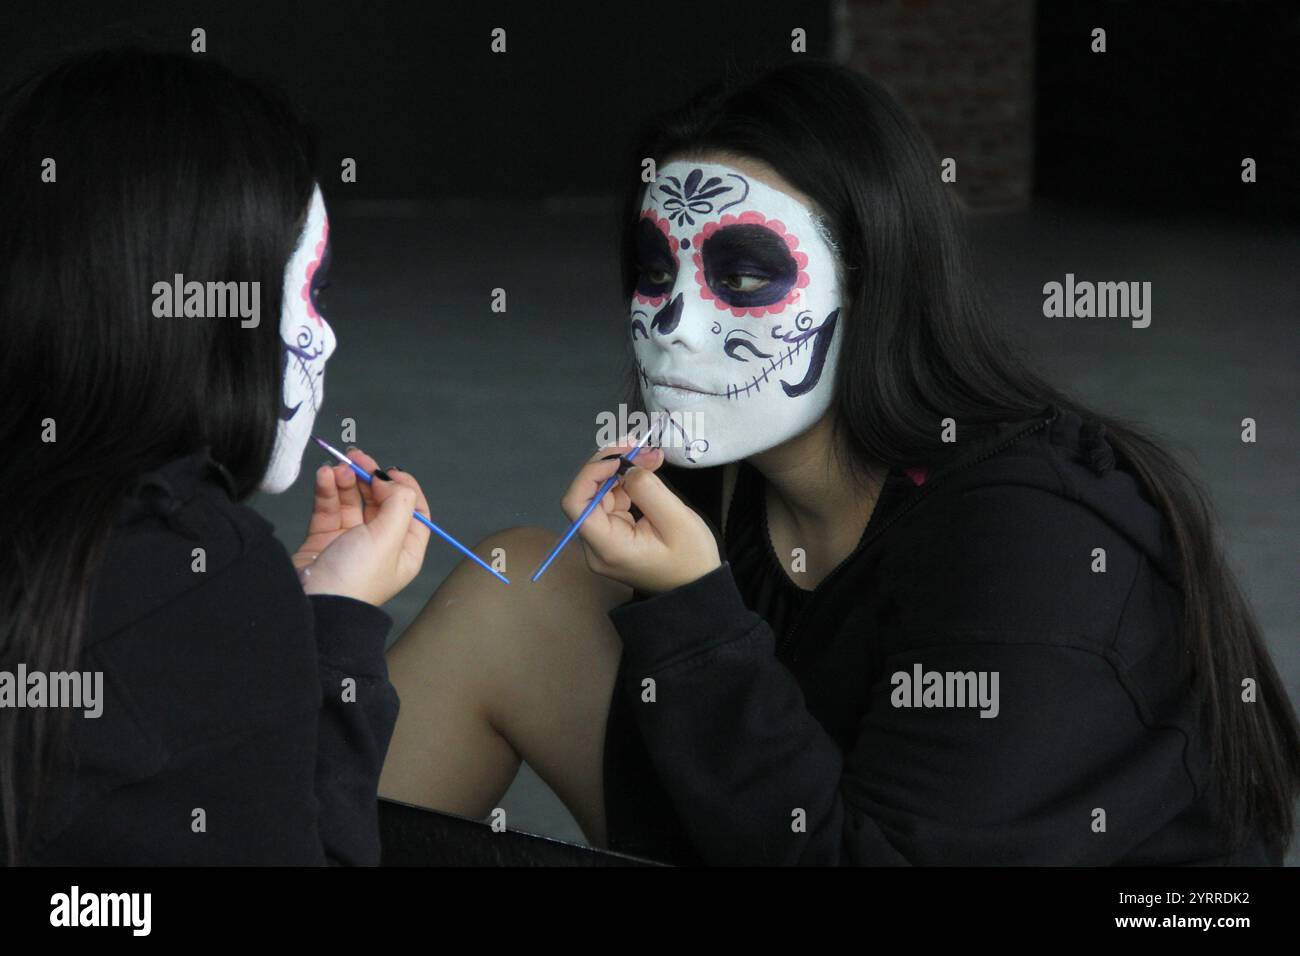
[(734, 315), (306, 343)]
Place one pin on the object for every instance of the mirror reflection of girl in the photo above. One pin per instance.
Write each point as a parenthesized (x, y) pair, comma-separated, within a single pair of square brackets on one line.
[(132, 437), (813, 544)]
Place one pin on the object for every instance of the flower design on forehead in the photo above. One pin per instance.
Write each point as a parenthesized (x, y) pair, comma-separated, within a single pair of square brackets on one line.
[(696, 195)]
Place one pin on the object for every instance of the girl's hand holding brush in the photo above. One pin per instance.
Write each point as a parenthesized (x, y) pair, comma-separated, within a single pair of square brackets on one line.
[(361, 541), (670, 545)]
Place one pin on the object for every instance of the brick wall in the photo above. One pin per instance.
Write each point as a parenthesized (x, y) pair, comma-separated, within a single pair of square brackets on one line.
[(964, 68)]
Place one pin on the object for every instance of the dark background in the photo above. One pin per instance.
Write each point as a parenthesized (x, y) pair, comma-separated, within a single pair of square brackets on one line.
[(413, 92), (478, 171), (1162, 120)]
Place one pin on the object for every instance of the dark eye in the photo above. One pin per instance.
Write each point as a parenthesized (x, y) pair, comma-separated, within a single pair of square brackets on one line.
[(655, 263), (748, 265), (320, 280), (318, 297), (745, 283)]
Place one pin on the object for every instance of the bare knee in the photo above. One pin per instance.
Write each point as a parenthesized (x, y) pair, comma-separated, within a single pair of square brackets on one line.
[(500, 628), (532, 662), (544, 621), (470, 599), (519, 551)]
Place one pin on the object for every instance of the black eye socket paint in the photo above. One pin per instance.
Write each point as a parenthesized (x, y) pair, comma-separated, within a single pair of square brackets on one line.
[(320, 280), (654, 259), (748, 250)]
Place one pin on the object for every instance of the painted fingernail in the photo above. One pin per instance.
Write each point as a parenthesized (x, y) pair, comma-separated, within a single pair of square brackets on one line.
[(382, 475), (610, 457)]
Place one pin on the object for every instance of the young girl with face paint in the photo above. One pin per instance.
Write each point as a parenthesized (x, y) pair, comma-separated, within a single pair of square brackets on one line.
[(236, 703), (886, 596)]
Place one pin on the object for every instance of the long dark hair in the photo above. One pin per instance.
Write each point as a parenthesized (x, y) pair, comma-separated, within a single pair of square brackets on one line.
[(164, 164), (919, 346)]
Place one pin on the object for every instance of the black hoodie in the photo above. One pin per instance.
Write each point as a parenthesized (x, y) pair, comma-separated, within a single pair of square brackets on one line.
[(243, 722), (755, 751)]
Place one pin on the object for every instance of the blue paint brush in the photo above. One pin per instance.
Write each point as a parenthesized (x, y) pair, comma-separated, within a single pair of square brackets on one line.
[(369, 479), (586, 512)]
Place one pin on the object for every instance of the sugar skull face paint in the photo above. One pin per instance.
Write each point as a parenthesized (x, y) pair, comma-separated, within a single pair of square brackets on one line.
[(734, 313), (306, 343)]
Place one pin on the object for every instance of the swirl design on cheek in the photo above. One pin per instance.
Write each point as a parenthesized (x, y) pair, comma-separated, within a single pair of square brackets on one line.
[(638, 325), (740, 339), (304, 354), (802, 328)]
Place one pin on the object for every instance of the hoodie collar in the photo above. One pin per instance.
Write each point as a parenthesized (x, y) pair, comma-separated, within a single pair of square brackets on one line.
[(163, 491)]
